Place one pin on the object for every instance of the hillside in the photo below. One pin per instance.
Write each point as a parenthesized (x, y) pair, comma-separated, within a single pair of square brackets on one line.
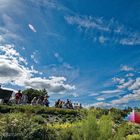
[(19, 122)]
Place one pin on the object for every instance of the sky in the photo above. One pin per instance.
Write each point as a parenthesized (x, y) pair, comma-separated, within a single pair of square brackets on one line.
[(87, 51)]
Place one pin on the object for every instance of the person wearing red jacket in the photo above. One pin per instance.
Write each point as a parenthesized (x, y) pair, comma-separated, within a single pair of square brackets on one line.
[(18, 97)]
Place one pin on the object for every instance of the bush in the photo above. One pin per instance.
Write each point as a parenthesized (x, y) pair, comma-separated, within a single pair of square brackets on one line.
[(38, 119), (133, 137), (30, 123)]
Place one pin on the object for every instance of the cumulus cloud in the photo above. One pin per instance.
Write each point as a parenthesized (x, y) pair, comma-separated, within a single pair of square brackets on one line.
[(14, 70), (53, 84), (11, 71)]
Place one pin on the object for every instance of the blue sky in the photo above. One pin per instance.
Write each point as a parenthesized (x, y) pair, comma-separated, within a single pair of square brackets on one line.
[(84, 50)]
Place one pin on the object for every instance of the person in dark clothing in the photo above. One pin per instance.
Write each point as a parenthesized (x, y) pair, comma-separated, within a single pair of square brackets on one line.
[(57, 103), (46, 102)]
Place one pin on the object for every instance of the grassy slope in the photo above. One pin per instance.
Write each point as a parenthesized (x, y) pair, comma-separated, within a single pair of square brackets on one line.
[(38, 122), (50, 114)]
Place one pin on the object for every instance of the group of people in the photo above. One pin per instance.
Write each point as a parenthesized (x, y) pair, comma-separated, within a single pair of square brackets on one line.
[(68, 104), (23, 99), (40, 101), (43, 100)]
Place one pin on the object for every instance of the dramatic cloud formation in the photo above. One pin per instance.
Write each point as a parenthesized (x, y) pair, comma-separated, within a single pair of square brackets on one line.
[(52, 44), (54, 84), (13, 70)]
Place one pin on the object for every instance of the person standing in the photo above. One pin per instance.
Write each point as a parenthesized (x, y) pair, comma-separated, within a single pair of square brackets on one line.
[(18, 97), (46, 102), (33, 102)]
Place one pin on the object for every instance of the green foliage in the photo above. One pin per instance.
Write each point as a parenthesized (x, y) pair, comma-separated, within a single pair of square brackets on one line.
[(133, 137), (105, 127), (37, 110), (28, 122), (31, 93), (38, 119), (18, 126), (120, 132)]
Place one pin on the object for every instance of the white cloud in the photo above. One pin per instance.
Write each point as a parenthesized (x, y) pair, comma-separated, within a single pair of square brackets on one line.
[(126, 68), (111, 30), (93, 94), (129, 75), (12, 54), (86, 22), (34, 57), (100, 99), (134, 40), (98, 104), (53, 84), (129, 97), (119, 80), (126, 84), (14, 70), (102, 39), (111, 91), (32, 28), (135, 85)]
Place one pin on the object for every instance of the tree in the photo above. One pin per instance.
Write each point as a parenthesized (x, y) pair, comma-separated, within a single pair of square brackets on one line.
[(31, 93)]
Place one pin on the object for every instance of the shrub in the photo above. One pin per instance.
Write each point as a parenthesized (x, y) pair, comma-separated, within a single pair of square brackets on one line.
[(38, 119), (133, 137), (19, 126)]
